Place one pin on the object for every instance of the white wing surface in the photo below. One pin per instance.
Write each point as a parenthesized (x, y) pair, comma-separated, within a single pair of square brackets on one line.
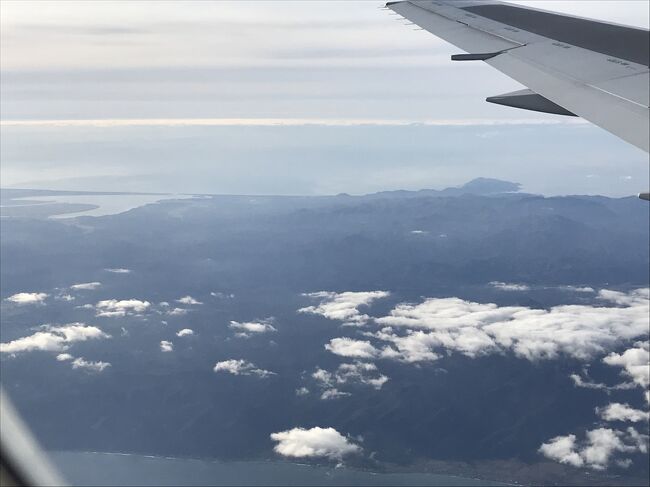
[(571, 65)]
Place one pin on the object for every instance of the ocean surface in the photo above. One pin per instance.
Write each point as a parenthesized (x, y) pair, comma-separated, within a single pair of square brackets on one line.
[(94, 469)]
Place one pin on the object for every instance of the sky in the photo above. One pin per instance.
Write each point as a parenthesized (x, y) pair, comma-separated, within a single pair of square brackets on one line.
[(249, 64)]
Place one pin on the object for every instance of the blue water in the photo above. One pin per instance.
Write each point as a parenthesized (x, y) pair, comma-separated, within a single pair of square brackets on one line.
[(95, 469)]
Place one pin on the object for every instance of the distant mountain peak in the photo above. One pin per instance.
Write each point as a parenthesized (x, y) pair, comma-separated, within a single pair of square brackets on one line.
[(489, 186)]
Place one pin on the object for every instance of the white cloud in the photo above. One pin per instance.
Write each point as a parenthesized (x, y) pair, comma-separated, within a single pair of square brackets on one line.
[(474, 329), (241, 367), (177, 312), (314, 442), (28, 298), (221, 295), (63, 357), (504, 286), (54, 338), (598, 449), (81, 363), (113, 307), (185, 332), (65, 297), (188, 300), (302, 391), (622, 412), (580, 382), (166, 346), (86, 286), (363, 373), (256, 327), (119, 270), (348, 347), (635, 362), (579, 289), (343, 306), (333, 393)]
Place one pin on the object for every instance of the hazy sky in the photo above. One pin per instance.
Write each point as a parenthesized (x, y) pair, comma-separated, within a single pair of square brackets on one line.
[(173, 62)]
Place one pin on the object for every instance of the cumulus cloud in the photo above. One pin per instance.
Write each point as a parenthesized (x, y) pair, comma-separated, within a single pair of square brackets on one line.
[(28, 298), (333, 393), (635, 363), (505, 286), (580, 382), (64, 357), (597, 450), (118, 270), (343, 306), (53, 338), (348, 347), (579, 289), (220, 295), (246, 329), (185, 332), (64, 297), (241, 367), (113, 307), (177, 312), (362, 373), (81, 363), (622, 412), (166, 346), (188, 300), (314, 442), (417, 331), (302, 391), (86, 286)]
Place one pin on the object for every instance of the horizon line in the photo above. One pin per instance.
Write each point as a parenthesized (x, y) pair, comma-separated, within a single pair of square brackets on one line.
[(280, 122)]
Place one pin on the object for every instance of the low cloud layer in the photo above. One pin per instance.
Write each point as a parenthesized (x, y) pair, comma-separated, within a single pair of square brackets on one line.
[(28, 298), (343, 306), (600, 447), (249, 328), (622, 412), (241, 367), (117, 308), (54, 338), (314, 442), (86, 286), (357, 373), (81, 363)]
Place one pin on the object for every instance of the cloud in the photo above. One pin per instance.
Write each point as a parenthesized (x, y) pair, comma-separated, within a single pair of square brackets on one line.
[(185, 332), (86, 286), (362, 373), (302, 391), (504, 286), (635, 363), (255, 327), (348, 347), (54, 338), (343, 306), (580, 382), (622, 412), (314, 442), (64, 357), (113, 307), (177, 312), (81, 363), (473, 329), (220, 295), (579, 289), (333, 394), (65, 297), (166, 346), (597, 450), (28, 298), (188, 300), (241, 367), (119, 271)]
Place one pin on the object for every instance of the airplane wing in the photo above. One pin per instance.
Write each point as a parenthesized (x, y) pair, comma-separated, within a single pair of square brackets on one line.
[(571, 65)]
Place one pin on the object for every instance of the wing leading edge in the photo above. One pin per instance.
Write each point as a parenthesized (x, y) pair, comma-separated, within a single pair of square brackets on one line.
[(571, 65)]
